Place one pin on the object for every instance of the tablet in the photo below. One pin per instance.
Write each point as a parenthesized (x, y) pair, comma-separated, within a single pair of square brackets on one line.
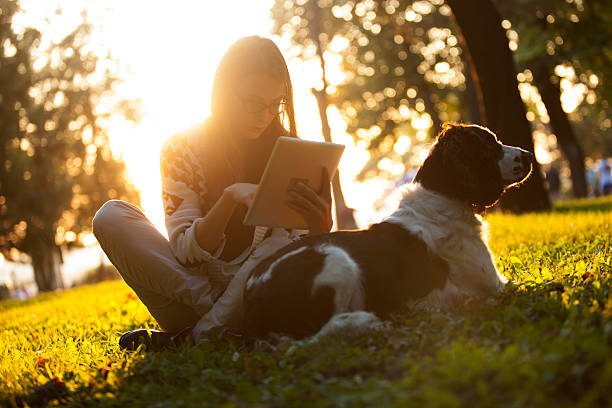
[(292, 160)]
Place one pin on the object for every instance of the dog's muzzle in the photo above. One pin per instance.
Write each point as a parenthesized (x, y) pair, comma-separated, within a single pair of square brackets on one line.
[(516, 164)]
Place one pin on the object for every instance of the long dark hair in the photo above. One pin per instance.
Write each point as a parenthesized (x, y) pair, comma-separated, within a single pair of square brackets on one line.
[(230, 159)]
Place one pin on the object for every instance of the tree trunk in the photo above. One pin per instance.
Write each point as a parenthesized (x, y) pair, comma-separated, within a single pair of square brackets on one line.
[(344, 214), (492, 66), (561, 126), (474, 109), (46, 261)]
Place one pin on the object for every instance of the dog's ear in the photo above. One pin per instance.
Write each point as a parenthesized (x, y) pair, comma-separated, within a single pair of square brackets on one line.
[(459, 166), (463, 164), (472, 162)]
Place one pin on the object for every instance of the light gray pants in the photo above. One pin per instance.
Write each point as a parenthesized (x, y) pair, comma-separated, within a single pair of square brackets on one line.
[(176, 296)]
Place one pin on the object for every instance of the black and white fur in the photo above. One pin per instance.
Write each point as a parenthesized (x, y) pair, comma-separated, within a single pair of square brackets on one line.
[(430, 253)]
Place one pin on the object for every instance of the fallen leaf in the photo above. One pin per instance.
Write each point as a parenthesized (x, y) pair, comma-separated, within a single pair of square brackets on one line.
[(41, 362)]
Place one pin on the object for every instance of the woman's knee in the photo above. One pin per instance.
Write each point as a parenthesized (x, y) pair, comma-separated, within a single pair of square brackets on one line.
[(108, 217)]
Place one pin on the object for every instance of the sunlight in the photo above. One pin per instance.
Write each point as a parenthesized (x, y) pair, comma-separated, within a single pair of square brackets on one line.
[(171, 70), (542, 144), (460, 296), (171, 54)]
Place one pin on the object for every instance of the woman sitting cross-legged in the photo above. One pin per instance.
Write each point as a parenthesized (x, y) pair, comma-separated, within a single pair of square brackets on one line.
[(193, 282)]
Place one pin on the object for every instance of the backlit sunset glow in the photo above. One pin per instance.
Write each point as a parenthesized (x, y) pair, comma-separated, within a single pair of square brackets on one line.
[(170, 55), (491, 269), (184, 43)]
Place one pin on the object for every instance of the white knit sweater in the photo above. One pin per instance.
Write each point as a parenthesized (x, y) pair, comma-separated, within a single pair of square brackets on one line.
[(185, 201), (184, 197)]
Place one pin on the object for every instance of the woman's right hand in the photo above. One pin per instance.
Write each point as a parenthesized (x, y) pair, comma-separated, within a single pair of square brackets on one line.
[(242, 193)]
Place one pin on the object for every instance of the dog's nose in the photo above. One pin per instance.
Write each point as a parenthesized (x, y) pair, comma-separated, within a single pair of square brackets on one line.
[(526, 158)]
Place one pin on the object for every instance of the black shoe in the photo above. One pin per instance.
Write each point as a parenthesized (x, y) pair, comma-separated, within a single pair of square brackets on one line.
[(156, 340)]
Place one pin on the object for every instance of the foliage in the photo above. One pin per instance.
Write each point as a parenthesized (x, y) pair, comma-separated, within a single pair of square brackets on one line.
[(56, 167), (405, 69), (545, 341), (401, 59), (575, 36)]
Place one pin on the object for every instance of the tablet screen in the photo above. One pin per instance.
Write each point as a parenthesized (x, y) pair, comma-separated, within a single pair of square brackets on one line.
[(292, 160)]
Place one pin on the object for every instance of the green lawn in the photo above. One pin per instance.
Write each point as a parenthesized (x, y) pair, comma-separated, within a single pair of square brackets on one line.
[(546, 341)]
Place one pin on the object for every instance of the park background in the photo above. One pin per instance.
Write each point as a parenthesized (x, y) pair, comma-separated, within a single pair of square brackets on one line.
[(89, 90), (394, 71)]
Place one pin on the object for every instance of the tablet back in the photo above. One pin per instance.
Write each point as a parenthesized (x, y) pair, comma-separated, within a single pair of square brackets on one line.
[(291, 160)]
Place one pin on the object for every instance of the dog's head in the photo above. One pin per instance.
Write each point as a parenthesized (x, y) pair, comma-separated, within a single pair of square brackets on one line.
[(469, 164)]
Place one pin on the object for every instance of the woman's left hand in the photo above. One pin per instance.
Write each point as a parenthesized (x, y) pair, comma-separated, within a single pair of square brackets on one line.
[(314, 206)]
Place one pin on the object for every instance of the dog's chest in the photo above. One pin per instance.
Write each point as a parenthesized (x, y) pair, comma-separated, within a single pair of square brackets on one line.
[(471, 266), (461, 245)]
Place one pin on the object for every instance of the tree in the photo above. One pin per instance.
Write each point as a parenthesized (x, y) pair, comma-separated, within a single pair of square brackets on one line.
[(344, 214), (56, 168), (404, 75), (389, 82), (555, 34), (568, 35), (561, 126), (494, 71)]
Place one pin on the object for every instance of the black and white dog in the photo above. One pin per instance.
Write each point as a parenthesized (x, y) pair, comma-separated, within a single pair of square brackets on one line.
[(430, 253)]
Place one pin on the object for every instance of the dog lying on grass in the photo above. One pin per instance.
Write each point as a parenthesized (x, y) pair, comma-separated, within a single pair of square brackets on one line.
[(430, 253)]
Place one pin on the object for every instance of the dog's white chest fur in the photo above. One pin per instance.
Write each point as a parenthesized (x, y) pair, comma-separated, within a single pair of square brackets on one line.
[(452, 231)]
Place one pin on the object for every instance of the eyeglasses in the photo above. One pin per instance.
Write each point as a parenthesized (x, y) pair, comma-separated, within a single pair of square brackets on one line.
[(254, 106)]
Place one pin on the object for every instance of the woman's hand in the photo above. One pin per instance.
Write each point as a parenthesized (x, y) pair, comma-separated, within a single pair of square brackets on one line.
[(242, 193), (314, 206)]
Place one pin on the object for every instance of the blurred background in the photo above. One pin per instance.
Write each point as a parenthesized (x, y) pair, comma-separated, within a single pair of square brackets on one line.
[(90, 90)]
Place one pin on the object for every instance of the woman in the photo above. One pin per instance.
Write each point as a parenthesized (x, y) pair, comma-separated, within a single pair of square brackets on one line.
[(209, 175)]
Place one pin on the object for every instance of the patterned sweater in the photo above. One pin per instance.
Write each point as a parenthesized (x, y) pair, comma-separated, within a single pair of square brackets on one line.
[(186, 203)]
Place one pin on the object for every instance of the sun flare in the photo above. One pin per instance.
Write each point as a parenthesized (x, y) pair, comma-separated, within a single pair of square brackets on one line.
[(171, 70), (171, 54)]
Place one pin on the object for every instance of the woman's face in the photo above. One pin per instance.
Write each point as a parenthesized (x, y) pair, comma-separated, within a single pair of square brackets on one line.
[(257, 101)]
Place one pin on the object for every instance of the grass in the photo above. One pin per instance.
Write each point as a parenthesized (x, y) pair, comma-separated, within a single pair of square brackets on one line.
[(545, 341)]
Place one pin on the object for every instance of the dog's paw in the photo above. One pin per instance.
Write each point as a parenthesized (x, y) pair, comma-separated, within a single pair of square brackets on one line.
[(349, 324)]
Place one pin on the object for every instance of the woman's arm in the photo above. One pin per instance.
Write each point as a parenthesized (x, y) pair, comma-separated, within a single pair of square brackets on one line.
[(209, 230), (184, 208)]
